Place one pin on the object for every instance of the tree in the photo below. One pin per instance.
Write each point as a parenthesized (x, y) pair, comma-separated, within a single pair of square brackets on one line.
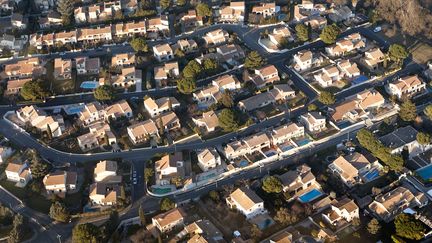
[(148, 173), (59, 212), (142, 216), (164, 4), (408, 111), (330, 33), (285, 217), (39, 168), (104, 92), (181, 2), (373, 227), (272, 184), (86, 233), (186, 85), (179, 53), (397, 53), (423, 138), (214, 195), (118, 15), (326, 98), (65, 8), (302, 32), (428, 111), (192, 69), (210, 65), (227, 99), (33, 90), (110, 225), (256, 233), (18, 229), (408, 227), (122, 197), (203, 10), (139, 44), (166, 204), (228, 120), (254, 60), (312, 107)]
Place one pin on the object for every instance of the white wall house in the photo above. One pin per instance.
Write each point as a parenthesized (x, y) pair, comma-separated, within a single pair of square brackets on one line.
[(246, 202)]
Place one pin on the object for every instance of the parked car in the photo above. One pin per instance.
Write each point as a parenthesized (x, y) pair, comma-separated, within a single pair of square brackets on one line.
[(377, 29)]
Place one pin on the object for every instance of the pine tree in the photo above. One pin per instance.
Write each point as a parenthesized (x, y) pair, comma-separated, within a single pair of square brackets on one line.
[(65, 8), (142, 216)]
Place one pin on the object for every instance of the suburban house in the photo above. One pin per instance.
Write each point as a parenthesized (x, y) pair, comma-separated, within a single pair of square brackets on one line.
[(167, 221), (204, 231), (87, 66), (208, 119), (129, 76), (123, 59), (39, 119), (303, 60), (341, 212), (161, 105), (316, 22), (392, 203), (403, 138), (53, 19), (186, 45), (279, 35), (358, 106), (313, 121), (62, 68), (348, 69), (406, 87), (232, 54), (248, 145), (168, 167), (327, 76), (279, 93), (18, 21), (299, 181), (246, 202), (284, 133), (207, 96), (350, 168), (216, 37), (60, 182), (117, 110), (208, 159), (233, 13), (163, 52), (14, 86), (28, 68), (372, 58), (348, 44), (5, 153), (80, 15), (106, 171), (340, 14), (190, 20), (168, 70), (158, 24), (265, 76), (100, 133), (266, 9), (168, 121), (92, 112), (18, 172), (130, 29), (95, 35), (227, 82), (103, 194), (142, 131)]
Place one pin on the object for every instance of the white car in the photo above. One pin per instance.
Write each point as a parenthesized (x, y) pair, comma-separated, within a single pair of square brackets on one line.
[(377, 29)]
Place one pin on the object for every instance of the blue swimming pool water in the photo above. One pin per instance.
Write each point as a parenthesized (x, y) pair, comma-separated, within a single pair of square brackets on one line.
[(286, 148), (74, 110), (310, 196), (89, 85), (344, 124), (360, 79), (270, 153), (371, 175), (243, 163), (425, 173), (161, 190), (303, 142)]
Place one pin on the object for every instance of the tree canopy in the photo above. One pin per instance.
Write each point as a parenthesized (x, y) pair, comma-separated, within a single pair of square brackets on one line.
[(373, 227), (186, 85), (59, 212), (227, 99), (428, 111), (330, 34), (203, 10), (192, 70), (139, 44), (408, 227), (86, 233), (65, 8), (254, 60), (104, 92), (371, 143), (326, 98), (302, 32), (166, 204), (285, 216), (164, 4), (33, 90), (408, 111), (272, 184), (423, 138), (228, 120), (397, 53)]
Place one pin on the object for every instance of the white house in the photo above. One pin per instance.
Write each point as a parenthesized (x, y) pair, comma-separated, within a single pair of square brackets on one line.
[(286, 132), (303, 60), (161, 105), (406, 87), (5, 153), (208, 159), (167, 221), (104, 170), (163, 52), (403, 138), (216, 37), (246, 202), (327, 76), (60, 182), (18, 172), (313, 121), (340, 211), (227, 82), (102, 194)]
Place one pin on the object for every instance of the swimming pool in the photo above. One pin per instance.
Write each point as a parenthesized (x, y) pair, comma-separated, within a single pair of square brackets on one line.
[(371, 175), (303, 142), (286, 148), (89, 85), (344, 124), (161, 190), (243, 163), (270, 153), (425, 173), (360, 79), (310, 196)]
